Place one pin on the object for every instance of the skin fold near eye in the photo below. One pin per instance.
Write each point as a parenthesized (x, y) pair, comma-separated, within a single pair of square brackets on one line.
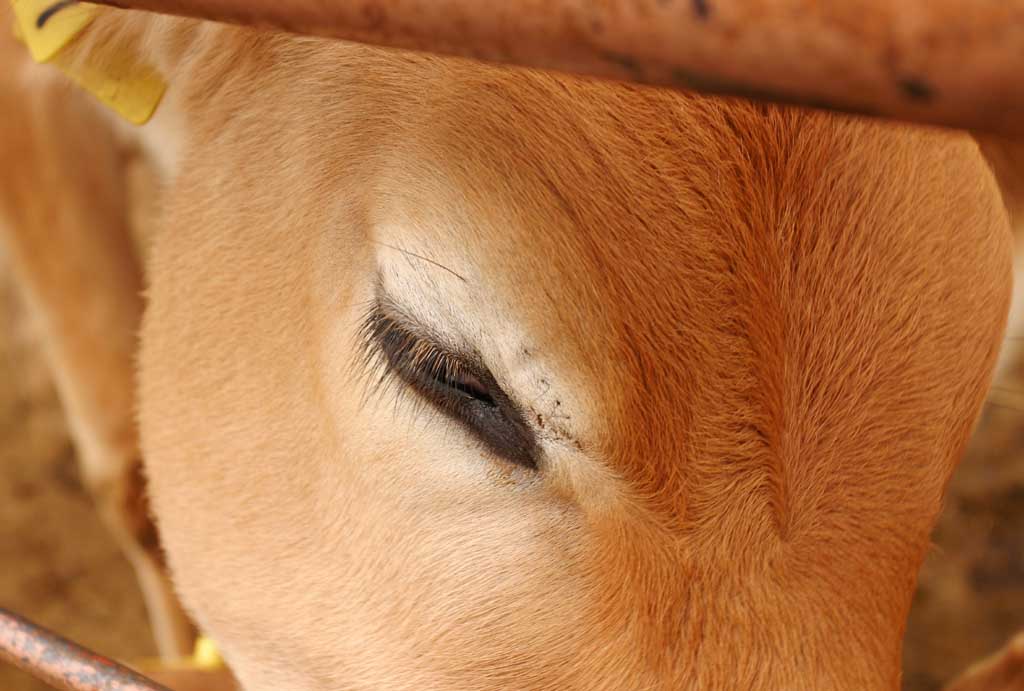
[(457, 385)]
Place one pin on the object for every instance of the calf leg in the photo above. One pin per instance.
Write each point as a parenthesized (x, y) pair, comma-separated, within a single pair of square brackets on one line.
[(1003, 671), (64, 221)]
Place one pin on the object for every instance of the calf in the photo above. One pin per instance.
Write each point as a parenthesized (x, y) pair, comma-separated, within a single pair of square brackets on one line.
[(462, 377)]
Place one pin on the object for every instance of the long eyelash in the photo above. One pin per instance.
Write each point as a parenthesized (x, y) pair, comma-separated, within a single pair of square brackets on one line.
[(377, 376), (389, 347), (400, 358)]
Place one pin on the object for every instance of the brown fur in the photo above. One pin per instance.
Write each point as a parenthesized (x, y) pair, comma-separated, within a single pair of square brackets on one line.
[(752, 341)]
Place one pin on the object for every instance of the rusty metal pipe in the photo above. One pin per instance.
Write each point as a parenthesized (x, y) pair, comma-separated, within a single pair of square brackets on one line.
[(949, 62), (61, 663)]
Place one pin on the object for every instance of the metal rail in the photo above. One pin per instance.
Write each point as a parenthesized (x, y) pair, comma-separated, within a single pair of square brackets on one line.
[(61, 663), (950, 62)]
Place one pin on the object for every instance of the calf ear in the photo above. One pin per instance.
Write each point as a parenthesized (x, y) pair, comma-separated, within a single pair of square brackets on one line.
[(100, 53)]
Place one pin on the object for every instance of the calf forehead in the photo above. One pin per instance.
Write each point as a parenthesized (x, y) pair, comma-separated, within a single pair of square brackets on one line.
[(745, 290)]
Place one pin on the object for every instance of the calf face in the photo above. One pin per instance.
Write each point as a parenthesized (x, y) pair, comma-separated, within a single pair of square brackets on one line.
[(457, 377)]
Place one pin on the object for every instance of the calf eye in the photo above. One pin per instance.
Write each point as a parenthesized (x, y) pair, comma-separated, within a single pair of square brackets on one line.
[(458, 385)]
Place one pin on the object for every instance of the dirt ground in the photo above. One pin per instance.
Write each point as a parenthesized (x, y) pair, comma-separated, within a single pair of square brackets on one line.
[(58, 566)]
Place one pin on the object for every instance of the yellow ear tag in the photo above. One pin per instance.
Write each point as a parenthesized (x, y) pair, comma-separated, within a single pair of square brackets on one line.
[(206, 654), (116, 77), (205, 657), (46, 26), (119, 81)]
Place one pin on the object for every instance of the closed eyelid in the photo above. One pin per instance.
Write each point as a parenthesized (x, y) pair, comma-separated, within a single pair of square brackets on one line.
[(457, 384)]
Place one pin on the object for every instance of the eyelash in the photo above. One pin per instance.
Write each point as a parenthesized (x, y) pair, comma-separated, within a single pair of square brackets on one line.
[(457, 388), (411, 358)]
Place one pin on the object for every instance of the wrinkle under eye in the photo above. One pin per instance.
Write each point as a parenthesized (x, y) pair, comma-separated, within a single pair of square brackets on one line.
[(458, 385)]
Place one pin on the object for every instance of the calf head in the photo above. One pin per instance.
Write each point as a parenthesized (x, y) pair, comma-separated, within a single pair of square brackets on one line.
[(458, 377)]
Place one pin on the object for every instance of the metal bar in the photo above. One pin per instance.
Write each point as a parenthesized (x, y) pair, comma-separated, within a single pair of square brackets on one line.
[(61, 663), (949, 62)]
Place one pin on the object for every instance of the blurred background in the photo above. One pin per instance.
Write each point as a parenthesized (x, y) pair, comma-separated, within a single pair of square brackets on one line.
[(59, 566)]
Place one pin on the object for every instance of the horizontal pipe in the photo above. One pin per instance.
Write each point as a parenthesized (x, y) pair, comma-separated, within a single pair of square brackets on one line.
[(958, 63), (61, 663)]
